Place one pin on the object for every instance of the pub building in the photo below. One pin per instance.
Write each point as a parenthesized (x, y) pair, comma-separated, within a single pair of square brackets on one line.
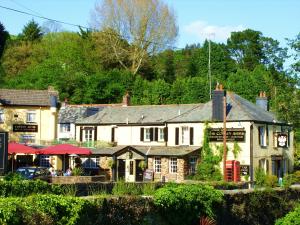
[(166, 140), (29, 117)]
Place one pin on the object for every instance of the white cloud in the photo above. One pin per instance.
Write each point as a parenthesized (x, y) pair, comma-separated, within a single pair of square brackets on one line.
[(203, 31)]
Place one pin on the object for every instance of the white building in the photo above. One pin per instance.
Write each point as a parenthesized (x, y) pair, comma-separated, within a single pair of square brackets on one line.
[(169, 137)]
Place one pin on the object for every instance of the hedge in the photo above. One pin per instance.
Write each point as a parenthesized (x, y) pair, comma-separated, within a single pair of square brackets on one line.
[(292, 218)]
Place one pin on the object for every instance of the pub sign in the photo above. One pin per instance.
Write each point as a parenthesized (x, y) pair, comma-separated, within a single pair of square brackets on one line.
[(282, 139), (232, 134), (25, 128)]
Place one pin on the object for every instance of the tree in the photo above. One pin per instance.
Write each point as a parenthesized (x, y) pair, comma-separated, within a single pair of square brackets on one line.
[(148, 26), (31, 32), (246, 48), (295, 46), (4, 35)]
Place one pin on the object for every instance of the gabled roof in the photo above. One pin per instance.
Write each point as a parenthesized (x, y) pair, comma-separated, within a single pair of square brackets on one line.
[(148, 150), (238, 109), (138, 114), (26, 97)]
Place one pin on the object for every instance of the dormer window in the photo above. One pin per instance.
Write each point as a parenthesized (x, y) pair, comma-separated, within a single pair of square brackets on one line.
[(31, 117)]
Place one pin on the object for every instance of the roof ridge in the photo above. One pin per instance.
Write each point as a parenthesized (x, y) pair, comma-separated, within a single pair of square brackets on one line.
[(188, 111)]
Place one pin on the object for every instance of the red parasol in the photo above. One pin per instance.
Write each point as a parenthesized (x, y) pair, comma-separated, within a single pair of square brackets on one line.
[(64, 149), (15, 148)]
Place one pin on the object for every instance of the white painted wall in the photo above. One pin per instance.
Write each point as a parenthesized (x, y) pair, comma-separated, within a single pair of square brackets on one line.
[(66, 135)]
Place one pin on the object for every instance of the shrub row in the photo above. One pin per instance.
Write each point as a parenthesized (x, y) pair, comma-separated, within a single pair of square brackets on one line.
[(292, 218), (171, 205)]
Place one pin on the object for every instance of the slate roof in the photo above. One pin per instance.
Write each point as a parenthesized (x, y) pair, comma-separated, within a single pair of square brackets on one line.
[(238, 109), (26, 97), (138, 114), (149, 150), (71, 113)]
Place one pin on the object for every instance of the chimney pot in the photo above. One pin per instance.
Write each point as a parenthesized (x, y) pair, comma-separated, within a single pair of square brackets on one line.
[(126, 99)]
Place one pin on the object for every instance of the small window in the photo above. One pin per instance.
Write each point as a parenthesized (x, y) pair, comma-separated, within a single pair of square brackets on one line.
[(44, 161), (31, 117), (27, 138), (147, 134), (192, 165), (157, 165), (1, 116), (90, 162), (261, 135), (161, 136), (65, 127), (185, 135), (173, 165)]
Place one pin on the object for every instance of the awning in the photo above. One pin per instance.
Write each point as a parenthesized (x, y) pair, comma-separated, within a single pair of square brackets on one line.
[(64, 149), (14, 148)]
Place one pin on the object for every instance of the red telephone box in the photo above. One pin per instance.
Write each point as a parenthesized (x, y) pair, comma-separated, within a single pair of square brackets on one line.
[(233, 170)]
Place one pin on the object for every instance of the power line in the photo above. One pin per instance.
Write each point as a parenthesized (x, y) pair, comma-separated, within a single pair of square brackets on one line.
[(43, 17), (23, 6), (76, 25)]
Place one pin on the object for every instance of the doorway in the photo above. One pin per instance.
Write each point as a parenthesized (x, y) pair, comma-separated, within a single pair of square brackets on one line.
[(121, 169), (130, 169)]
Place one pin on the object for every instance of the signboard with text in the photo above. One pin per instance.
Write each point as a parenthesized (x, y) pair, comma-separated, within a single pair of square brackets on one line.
[(3, 152), (148, 175), (25, 128), (244, 170), (232, 134)]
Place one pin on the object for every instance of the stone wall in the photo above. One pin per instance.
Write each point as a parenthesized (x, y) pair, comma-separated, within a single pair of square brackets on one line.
[(77, 179)]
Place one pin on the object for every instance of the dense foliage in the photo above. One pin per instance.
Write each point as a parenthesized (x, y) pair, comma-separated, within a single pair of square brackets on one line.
[(248, 63), (292, 218), (184, 204)]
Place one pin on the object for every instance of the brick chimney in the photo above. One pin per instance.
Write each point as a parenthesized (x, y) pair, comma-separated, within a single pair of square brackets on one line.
[(262, 101), (126, 100), (217, 103)]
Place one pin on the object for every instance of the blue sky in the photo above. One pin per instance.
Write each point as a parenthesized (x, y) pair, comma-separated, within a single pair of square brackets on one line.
[(197, 19)]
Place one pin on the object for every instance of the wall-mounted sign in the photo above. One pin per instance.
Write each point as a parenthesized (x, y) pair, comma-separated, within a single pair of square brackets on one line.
[(3, 152), (148, 175), (244, 170), (25, 128), (232, 134), (282, 140)]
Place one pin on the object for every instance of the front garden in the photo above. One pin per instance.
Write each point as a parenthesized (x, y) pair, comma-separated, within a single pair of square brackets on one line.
[(37, 202)]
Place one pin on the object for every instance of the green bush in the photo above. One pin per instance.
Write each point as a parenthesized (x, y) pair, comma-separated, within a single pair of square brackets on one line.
[(47, 209), (292, 218), (260, 177), (184, 204), (123, 188), (13, 177), (271, 181)]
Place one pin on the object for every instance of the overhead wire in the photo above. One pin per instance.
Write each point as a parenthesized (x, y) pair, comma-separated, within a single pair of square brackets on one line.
[(74, 25)]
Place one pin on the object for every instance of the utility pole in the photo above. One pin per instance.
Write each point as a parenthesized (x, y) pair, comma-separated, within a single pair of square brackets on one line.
[(224, 136), (209, 70), (209, 67)]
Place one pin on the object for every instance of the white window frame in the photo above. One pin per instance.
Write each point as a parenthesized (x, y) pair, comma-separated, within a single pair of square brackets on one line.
[(147, 134), (161, 134), (192, 164), (173, 165), (28, 117), (65, 127), (185, 140), (262, 136), (88, 137), (28, 138), (2, 116), (157, 164)]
